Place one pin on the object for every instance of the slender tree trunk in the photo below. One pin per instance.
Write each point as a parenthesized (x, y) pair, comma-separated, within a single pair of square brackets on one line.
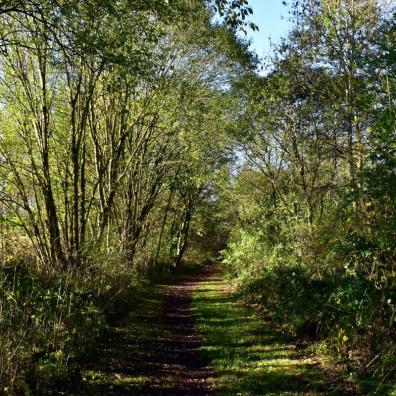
[(42, 127), (182, 239), (163, 225)]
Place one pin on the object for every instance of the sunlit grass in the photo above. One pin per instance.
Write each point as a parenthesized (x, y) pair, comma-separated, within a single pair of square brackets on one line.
[(249, 357)]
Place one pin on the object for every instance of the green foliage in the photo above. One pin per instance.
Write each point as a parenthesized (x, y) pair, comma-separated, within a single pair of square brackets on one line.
[(119, 124), (49, 321), (248, 354), (315, 201), (113, 120)]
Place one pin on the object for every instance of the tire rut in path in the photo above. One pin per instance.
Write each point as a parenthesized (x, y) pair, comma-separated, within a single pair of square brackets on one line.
[(184, 357), (156, 349)]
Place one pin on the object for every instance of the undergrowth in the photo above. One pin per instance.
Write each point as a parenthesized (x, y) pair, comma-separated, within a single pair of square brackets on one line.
[(50, 319), (348, 312)]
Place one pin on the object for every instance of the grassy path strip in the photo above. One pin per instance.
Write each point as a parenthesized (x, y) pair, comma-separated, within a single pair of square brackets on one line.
[(248, 357)]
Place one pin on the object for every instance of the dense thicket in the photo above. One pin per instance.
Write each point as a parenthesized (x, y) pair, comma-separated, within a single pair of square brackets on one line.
[(316, 231)]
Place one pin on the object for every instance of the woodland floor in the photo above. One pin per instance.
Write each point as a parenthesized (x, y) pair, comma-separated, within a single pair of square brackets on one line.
[(191, 337)]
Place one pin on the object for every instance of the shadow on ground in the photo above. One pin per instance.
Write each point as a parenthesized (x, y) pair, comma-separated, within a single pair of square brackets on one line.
[(191, 337), (154, 350), (248, 355)]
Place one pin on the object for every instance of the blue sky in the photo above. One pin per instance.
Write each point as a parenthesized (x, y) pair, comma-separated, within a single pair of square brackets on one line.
[(267, 15)]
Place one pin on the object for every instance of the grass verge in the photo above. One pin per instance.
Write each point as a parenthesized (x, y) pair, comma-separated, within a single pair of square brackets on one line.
[(249, 357)]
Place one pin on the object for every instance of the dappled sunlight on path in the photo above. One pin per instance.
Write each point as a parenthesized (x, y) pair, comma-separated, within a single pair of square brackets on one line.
[(248, 355), (155, 350), (191, 337)]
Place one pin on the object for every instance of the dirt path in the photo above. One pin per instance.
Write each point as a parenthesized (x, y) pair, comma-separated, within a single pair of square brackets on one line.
[(192, 337), (155, 350)]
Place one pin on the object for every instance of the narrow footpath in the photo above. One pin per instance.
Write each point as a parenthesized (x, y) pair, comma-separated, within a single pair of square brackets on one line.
[(191, 337)]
